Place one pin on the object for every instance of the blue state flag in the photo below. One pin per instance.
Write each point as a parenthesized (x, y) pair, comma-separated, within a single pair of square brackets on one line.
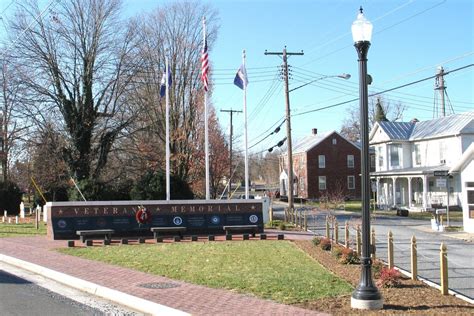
[(163, 83), (241, 79)]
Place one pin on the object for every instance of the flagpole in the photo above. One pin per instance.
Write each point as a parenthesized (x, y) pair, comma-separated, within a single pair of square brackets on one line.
[(206, 129), (245, 130), (168, 195)]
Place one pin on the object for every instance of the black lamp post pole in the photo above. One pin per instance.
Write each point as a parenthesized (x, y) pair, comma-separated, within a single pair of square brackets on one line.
[(365, 291)]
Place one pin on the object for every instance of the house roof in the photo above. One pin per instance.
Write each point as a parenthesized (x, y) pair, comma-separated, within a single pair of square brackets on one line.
[(397, 130), (311, 141), (308, 142), (439, 127), (444, 126)]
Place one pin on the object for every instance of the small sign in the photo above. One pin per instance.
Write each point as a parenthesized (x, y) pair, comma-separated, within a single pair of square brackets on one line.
[(440, 173), (441, 183), (374, 186)]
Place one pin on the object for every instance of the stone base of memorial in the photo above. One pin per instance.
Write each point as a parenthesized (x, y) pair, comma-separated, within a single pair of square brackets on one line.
[(136, 218)]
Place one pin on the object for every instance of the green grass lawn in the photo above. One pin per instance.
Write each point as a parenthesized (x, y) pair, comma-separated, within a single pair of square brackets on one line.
[(16, 230), (274, 270)]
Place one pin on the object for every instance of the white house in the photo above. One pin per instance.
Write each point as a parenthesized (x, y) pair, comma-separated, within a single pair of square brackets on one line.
[(411, 155), (465, 168)]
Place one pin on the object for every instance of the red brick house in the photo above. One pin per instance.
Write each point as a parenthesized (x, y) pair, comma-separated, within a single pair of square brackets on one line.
[(323, 165)]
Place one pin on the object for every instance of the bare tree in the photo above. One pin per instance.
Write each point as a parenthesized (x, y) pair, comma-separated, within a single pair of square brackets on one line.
[(12, 127), (351, 125), (74, 61), (175, 31)]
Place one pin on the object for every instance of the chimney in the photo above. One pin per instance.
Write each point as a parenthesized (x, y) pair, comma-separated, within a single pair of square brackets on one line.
[(314, 131), (414, 120)]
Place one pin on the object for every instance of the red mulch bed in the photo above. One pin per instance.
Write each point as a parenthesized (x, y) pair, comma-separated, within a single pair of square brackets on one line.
[(410, 297)]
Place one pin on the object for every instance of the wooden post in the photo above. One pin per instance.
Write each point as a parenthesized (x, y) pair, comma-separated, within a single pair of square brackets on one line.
[(346, 235), (358, 240), (305, 222), (390, 250), (36, 219), (372, 243), (414, 259), (286, 215), (327, 227), (443, 257), (336, 232)]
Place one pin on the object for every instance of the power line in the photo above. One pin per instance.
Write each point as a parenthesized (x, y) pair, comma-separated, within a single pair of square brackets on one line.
[(381, 92)]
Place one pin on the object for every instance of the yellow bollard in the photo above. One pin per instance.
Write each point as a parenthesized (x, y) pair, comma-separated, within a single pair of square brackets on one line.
[(372, 244), (414, 259), (443, 257), (358, 241), (346, 235), (390, 250)]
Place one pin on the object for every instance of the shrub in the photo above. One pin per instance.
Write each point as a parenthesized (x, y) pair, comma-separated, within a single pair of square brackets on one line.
[(282, 226), (377, 267), (349, 256), (316, 241), (10, 197), (337, 251), (152, 186), (389, 278), (325, 244)]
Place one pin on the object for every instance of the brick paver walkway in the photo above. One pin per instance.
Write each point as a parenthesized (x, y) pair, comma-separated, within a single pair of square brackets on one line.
[(193, 299)]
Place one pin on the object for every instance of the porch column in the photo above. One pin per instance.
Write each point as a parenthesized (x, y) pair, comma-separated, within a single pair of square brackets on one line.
[(410, 194), (394, 179), (425, 192), (379, 191)]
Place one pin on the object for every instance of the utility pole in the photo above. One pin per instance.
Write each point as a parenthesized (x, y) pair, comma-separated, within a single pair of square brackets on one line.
[(285, 55), (230, 147), (439, 85)]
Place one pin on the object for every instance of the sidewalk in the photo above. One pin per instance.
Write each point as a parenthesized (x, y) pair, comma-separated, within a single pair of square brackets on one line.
[(123, 285)]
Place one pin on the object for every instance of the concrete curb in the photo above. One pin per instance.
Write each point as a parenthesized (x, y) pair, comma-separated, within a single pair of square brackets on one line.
[(118, 297)]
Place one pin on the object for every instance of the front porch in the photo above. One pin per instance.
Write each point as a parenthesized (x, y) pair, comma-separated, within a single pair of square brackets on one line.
[(417, 192)]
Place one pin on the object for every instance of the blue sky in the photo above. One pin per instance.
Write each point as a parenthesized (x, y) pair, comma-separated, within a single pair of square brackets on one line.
[(411, 39)]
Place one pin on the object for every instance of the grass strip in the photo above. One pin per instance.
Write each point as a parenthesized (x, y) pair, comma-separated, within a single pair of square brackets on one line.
[(18, 230), (275, 270)]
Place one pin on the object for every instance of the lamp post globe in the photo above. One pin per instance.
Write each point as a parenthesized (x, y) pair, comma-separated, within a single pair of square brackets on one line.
[(366, 295)]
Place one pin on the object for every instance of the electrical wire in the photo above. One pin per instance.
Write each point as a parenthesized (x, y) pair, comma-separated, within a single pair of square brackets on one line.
[(381, 92)]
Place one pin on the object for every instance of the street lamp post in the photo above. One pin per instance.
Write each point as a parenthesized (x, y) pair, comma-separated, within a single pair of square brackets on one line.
[(366, 295)]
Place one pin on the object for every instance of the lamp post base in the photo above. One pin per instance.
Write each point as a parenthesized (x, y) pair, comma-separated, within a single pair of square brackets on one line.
[(366, 304)]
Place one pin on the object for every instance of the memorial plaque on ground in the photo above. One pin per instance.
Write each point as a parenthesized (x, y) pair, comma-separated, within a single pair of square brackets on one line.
[(136, 218)]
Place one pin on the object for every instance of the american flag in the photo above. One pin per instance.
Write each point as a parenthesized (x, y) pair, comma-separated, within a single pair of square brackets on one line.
[(205, 66)]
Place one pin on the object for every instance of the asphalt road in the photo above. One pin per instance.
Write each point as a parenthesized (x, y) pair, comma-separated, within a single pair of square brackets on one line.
[(460, 252), (24, 293)]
